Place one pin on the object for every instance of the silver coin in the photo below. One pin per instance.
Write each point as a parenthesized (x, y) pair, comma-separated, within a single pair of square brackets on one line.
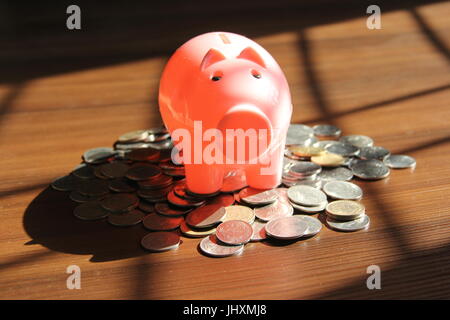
[(324, 143), (370, 169), (157, 137), (343, 149), (357, 140), (368, 153), (286, 228), (310, 210), (257, 197), (304, 168), (274, 210), (312, 183), (398, 161), (212, 247), (306, 196), (97, 155), (299, 134), (288, 176), (259, 231), (314, 225), (157, 130), (133, 136), (343, 190), (132, 146), (354, 225), (332, 174), (326, 130), (161, 145)]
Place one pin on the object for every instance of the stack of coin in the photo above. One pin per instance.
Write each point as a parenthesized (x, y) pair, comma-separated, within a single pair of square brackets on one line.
[(136, 181), (156, 138), (302, 173), (347, 215)]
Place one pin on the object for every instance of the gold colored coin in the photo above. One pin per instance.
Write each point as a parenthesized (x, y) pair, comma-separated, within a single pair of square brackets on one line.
[(189, 232), (306, 152), (328, 160), (345, 210), (239, 213)]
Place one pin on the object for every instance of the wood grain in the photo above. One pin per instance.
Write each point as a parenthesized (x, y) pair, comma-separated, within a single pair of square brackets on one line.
[(62, 92)]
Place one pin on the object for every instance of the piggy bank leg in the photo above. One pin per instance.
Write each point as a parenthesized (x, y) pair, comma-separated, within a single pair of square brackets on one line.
[(266, 176), (203, 178)]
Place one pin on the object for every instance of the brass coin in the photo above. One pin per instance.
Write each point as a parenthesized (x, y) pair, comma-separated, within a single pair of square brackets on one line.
[(179, 172), (306, 152), (114, 169), (146, 206), (160, 241), (234, 232), (144, 154), (164, 209), (81, 198), (157, 183), (156, 222), (180, 202), (187, 231), (154, 194), (84, 171), (328, 160), (239, 213), (99, 174), (90, 211), (121, 185), (143, 172), (120, 202), (126, 219), (66, 183), (211, 213), (345, 210), (93, 187)]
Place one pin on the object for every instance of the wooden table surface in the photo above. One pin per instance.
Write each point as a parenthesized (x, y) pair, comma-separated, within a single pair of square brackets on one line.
[(63, 92)]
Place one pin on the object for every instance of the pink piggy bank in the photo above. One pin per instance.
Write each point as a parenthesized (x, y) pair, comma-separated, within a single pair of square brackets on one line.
[(227, 105)]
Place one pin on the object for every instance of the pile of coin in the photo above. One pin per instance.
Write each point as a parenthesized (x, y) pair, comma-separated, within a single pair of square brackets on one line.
[(136, 182)]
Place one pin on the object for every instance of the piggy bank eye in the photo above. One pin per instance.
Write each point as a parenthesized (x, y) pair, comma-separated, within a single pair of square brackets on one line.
[(256, 74), (217, 76)]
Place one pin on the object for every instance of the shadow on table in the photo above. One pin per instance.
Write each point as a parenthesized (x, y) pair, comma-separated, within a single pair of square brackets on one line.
[(423, 274), (49, 221)]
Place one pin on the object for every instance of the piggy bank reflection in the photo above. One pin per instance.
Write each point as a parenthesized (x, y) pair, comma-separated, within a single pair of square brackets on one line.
[(226, 103)]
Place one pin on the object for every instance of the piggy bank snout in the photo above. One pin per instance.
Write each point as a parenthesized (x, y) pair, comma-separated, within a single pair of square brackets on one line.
[(248, 130)]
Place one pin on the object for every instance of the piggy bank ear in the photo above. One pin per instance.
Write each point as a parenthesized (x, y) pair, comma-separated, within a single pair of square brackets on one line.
[(250, 54), (211, 57)]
